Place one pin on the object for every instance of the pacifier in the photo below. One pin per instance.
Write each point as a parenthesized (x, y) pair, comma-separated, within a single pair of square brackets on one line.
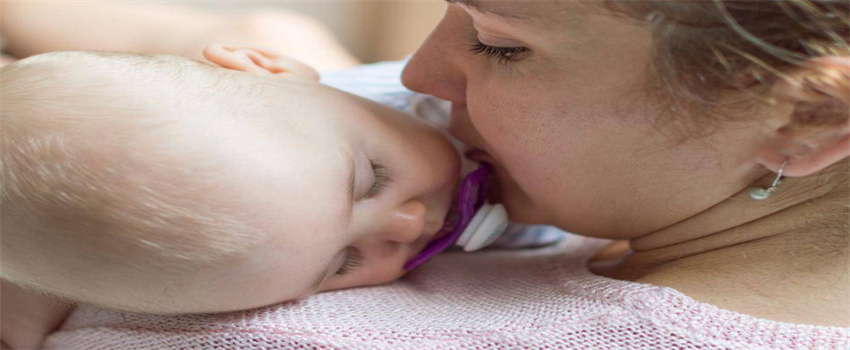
[(471, 223), (486, 227)]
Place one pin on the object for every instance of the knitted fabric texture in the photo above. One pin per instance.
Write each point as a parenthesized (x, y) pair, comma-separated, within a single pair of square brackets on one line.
[(530, 299)]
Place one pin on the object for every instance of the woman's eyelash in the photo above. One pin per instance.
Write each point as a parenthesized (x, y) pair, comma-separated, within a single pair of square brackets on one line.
[(503, 54), (382, 179), (353, 260)]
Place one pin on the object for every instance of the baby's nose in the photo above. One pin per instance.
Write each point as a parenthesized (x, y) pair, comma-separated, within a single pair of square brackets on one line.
[(406, 222)]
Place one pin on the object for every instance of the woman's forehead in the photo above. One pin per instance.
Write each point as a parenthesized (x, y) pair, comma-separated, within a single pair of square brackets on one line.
[(531, 11), (535, 13)]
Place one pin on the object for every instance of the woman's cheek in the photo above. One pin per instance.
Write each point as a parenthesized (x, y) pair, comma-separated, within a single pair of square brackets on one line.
[(509, 125), (505, 124)]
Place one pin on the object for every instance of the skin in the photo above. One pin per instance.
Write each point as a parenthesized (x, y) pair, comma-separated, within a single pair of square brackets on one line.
[(335, 133), (304, 179), (688, 263), (576, 143), (315, 222), (30, 28)]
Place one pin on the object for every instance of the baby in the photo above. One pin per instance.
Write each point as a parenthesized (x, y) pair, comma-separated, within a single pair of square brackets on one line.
[(159, 184), (167, 185)]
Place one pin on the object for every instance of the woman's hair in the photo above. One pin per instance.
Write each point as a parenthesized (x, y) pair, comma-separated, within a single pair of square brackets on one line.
[(706, 51), (715, 59)]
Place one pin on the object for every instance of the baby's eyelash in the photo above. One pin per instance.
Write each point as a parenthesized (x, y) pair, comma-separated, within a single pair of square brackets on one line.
[(353, 260), (382, 179), (503, 54)]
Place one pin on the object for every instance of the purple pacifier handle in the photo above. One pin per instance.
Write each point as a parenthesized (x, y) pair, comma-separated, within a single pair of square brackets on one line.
[(467, 204)]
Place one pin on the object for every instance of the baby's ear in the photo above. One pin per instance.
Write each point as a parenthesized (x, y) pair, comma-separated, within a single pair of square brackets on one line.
[(258, 61)]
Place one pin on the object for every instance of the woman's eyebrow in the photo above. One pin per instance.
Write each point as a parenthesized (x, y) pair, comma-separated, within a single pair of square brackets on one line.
[(470, 3), (478, 6)]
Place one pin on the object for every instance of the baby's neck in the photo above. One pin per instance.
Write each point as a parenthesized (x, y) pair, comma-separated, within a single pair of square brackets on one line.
[(766, 259)]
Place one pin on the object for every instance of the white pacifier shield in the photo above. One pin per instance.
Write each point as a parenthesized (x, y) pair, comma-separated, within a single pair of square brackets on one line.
[(486, 227)]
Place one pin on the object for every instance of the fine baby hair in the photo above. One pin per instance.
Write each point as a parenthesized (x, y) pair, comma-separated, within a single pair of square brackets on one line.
[(95, 154)]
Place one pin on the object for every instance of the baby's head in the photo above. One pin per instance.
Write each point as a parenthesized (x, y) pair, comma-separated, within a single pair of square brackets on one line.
[(165, 185)]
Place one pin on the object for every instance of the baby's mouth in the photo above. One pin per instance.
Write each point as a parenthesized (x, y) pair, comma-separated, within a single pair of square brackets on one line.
[(470, 197), (449, 219)]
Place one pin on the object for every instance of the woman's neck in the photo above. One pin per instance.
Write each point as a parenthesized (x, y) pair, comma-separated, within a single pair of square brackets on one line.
[(774, 259)]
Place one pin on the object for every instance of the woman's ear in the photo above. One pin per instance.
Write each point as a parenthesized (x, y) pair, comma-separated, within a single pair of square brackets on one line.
[(814, 131), (258, 61)]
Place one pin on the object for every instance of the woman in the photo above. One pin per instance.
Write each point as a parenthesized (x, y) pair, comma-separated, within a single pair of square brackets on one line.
[(642, 121), (654, 132)]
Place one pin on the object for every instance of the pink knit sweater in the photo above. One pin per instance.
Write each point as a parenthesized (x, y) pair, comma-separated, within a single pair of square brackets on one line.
[(531, 299)]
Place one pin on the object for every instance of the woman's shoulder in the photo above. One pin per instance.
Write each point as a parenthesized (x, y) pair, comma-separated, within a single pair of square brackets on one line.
[(526, 299)]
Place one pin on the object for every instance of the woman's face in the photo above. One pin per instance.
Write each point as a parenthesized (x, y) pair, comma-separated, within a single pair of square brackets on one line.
[(553, 93)]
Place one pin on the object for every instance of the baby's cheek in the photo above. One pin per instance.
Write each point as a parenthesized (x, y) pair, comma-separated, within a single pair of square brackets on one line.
[(384, 272)]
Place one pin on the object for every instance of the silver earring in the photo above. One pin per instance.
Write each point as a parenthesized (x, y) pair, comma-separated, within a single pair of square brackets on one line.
[(758, 193)]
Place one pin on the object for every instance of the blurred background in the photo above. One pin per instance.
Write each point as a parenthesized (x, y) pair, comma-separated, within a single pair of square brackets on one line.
[(327, 34), (372, 30)]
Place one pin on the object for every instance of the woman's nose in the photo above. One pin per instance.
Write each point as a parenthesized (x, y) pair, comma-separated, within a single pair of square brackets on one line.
[(406, 223), (435, 68)]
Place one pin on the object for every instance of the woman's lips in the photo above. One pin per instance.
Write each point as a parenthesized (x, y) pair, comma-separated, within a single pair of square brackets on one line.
[(481, 156)]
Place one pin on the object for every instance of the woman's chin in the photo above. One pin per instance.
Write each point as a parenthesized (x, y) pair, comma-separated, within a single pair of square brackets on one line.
[(519, 205), (520, 211)]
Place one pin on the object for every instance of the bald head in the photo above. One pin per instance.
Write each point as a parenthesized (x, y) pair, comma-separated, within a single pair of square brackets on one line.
[(112, 176)]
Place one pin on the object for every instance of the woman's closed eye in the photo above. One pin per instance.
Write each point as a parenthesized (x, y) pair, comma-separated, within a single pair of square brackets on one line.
[(382, 179), (502, 54)]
